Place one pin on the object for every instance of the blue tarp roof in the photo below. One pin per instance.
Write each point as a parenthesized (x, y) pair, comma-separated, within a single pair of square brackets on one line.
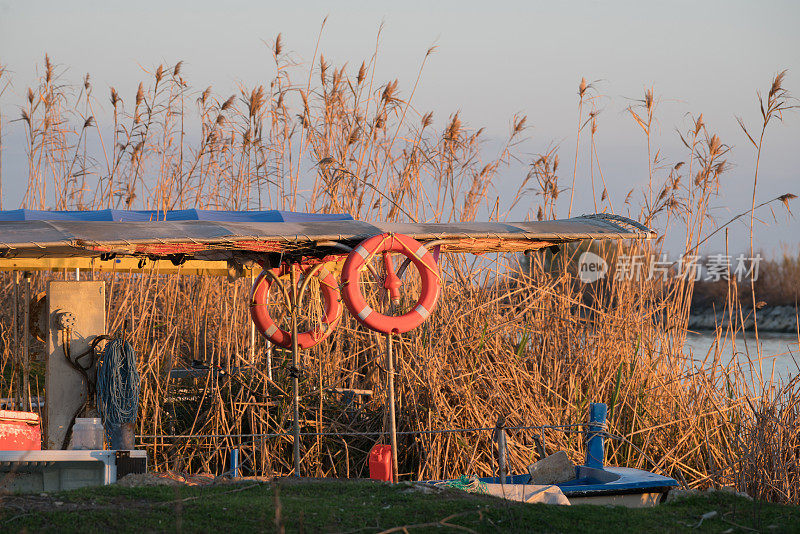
[(174, 215)]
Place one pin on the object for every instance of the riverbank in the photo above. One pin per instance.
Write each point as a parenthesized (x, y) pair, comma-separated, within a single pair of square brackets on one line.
[(781, 319)]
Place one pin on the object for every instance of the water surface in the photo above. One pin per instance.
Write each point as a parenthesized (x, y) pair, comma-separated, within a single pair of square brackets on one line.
[(782, 350)]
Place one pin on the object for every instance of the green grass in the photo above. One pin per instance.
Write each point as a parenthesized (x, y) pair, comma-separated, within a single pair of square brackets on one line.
[(364, 506)]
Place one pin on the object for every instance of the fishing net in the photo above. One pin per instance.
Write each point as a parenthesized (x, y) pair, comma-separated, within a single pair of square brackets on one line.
[(465, 483)]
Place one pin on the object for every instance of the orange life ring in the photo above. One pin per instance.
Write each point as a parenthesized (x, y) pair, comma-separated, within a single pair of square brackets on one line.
[(264, 323), (419, 255)]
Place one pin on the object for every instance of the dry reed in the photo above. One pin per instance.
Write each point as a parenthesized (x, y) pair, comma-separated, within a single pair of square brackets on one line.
[(519, 339)]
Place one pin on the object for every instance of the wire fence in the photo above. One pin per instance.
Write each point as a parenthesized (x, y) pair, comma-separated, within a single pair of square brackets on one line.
[(237, 464), (563, 428), (575, 428), (251, 438)]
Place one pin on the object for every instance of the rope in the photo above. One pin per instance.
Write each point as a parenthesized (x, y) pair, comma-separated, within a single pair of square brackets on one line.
[(118, 385), (465, 483)]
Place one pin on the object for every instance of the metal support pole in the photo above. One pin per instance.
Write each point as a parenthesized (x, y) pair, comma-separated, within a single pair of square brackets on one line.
[(234, 463), (594, 447), (392, 420), (269, 359), (15, 328), (26, 311), (252, 351), (287, 298), (1, 161), (500, 438), (539, 442), (293, 304)]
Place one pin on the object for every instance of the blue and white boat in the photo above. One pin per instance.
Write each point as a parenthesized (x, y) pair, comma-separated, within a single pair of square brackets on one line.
[(594, 483)]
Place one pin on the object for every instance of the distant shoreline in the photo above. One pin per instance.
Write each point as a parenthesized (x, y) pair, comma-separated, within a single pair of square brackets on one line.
[(770, 319)]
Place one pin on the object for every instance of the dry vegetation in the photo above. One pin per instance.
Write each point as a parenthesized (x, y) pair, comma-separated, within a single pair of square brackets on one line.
[(516, 339)]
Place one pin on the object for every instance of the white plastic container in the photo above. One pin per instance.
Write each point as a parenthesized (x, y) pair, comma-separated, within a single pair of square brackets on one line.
[(87, 434)]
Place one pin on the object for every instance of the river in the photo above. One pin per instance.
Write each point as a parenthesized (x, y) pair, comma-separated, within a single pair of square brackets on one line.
[(782, 349)]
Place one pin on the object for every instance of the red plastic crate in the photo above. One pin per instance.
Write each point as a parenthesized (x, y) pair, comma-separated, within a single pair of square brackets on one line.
[(20, 431), (380, 463)]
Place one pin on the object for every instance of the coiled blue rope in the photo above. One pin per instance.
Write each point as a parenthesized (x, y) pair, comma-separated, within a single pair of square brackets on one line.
[(117, 385)]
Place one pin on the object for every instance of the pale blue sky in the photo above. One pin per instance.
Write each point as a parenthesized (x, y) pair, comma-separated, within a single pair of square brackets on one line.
[(494, 59)]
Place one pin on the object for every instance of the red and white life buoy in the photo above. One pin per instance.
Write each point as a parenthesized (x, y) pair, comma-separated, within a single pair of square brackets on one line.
[(266, 325), (357, 261)]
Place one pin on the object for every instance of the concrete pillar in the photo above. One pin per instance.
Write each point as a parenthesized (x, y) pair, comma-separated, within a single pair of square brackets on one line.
[(65, 388)]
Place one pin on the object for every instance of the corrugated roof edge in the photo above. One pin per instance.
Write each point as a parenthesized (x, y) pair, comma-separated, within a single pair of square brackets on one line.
[(110, 215)]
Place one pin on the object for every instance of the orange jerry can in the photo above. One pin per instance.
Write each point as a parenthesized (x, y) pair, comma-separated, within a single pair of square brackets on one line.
[(20, 431), (380, 463)]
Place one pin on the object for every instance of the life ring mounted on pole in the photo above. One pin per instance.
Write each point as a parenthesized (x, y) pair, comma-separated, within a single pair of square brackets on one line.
[(259, 302), (385, 244)]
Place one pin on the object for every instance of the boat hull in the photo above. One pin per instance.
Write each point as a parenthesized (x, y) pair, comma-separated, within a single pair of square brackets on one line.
[(615, 486), (629, 500)]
